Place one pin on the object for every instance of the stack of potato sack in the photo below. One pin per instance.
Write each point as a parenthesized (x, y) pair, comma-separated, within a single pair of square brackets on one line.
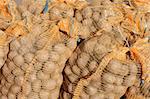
[(90, 72), (42, 56), (34, 49)]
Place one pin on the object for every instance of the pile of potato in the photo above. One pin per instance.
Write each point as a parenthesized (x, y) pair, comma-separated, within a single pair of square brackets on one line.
[(74, 49)]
